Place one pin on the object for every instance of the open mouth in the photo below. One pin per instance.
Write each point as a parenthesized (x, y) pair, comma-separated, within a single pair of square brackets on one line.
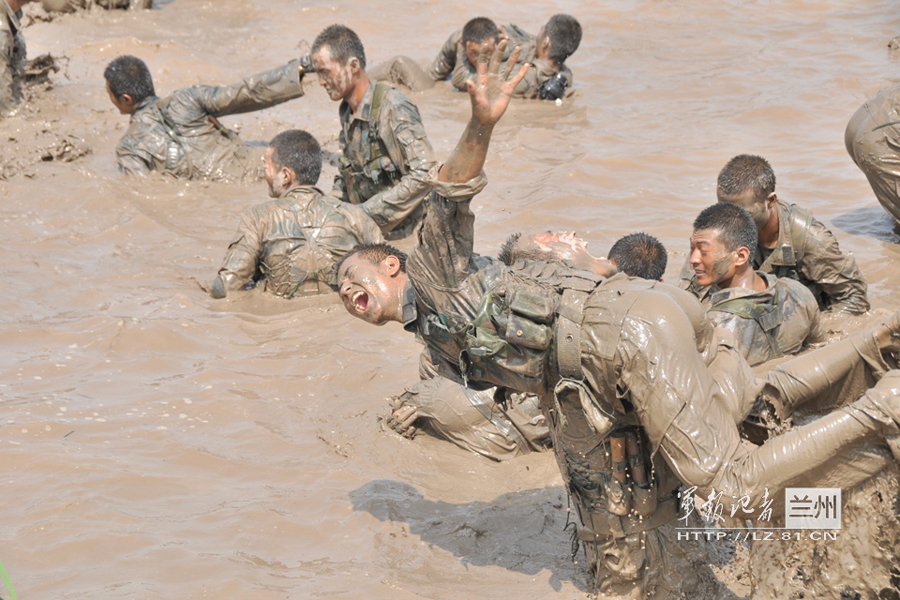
[(360, 301)]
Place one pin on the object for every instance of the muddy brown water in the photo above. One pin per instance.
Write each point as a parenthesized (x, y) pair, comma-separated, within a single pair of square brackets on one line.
[(155, 443)]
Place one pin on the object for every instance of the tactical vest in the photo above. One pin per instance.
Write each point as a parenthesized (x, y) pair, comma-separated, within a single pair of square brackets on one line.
[(799, 221), (526, 335), (378, 172), (768, 318)]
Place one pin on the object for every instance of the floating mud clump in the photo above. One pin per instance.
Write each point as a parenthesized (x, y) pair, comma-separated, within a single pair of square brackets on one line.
[(46, 146), (862, 561)]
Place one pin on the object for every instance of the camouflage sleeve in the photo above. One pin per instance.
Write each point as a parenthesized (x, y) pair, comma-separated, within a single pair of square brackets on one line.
[(255, 92), (242, 258), (404, 136), (834, 271), (447, 235), (130, 159), (446, 59), (365, 230)]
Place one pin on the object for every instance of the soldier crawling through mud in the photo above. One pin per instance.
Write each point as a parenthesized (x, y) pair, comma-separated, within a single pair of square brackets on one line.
[(180, 135), (642, 394)]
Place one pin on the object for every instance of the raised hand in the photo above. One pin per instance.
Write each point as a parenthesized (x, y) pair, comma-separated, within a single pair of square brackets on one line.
[(491, 90)]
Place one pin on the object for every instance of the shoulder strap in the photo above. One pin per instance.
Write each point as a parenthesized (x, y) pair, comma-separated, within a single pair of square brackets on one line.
[(800, 221)]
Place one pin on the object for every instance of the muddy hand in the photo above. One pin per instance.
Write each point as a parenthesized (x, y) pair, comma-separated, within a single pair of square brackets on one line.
[(402, 421), (491, 90)]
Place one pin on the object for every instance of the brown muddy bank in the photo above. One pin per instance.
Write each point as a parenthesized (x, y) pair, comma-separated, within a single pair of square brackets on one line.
[(156, 443)]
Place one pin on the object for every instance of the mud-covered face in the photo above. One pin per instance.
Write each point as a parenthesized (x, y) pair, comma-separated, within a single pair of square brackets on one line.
[(473, 49), (555, 245), (758, 209), (711, 262), (366, 290), (337, 79)]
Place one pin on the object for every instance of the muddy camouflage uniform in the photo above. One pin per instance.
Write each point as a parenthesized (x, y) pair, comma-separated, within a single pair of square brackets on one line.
[(386, 158), (636, 385), (808, 252), (452, 60), (497, 424), (180, 135), (12, 58), (290, 245), (776, 321), (873, 140)]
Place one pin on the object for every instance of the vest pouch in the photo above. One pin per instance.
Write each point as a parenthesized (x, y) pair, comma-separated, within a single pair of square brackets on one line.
[(618, 496), (524, 332), (539, 308), (644, 499)]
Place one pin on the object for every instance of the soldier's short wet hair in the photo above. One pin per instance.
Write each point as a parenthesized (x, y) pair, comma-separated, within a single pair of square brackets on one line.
[(299, 152), (374, 253), (747, 172), (342, 42), (514, 248), (129, 75), (640, 255), (508, 250), (480, 29), (734, 225), (564, 32)]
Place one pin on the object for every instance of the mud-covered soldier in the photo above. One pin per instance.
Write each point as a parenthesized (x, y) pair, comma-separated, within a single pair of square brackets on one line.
[(459, 54), (791, 242), (769, 316), (640, 394), (554, 247), (180, 135), (12, 55), (386, 153), (639, 255), (872, 139), (289, 246), (548, 79)]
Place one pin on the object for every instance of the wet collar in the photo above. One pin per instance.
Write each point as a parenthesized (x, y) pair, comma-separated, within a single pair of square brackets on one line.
[(365, 111), (144, 104)]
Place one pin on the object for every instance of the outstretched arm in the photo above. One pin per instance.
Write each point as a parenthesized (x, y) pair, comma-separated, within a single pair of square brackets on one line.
[(490, 94)]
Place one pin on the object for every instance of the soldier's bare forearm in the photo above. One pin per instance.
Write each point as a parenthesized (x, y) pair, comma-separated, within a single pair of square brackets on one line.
[(467, 159)]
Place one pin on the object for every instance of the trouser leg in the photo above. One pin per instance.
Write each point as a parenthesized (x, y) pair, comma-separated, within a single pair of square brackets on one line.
[(831, 376)]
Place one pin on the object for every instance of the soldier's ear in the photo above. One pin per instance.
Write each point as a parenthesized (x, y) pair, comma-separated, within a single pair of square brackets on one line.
[(770, 199), (391, 265), (354, 64), (742, 256)]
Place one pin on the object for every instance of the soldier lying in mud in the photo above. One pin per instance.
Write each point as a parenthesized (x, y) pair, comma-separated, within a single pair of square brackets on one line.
[(180, 135), (618, 362)]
